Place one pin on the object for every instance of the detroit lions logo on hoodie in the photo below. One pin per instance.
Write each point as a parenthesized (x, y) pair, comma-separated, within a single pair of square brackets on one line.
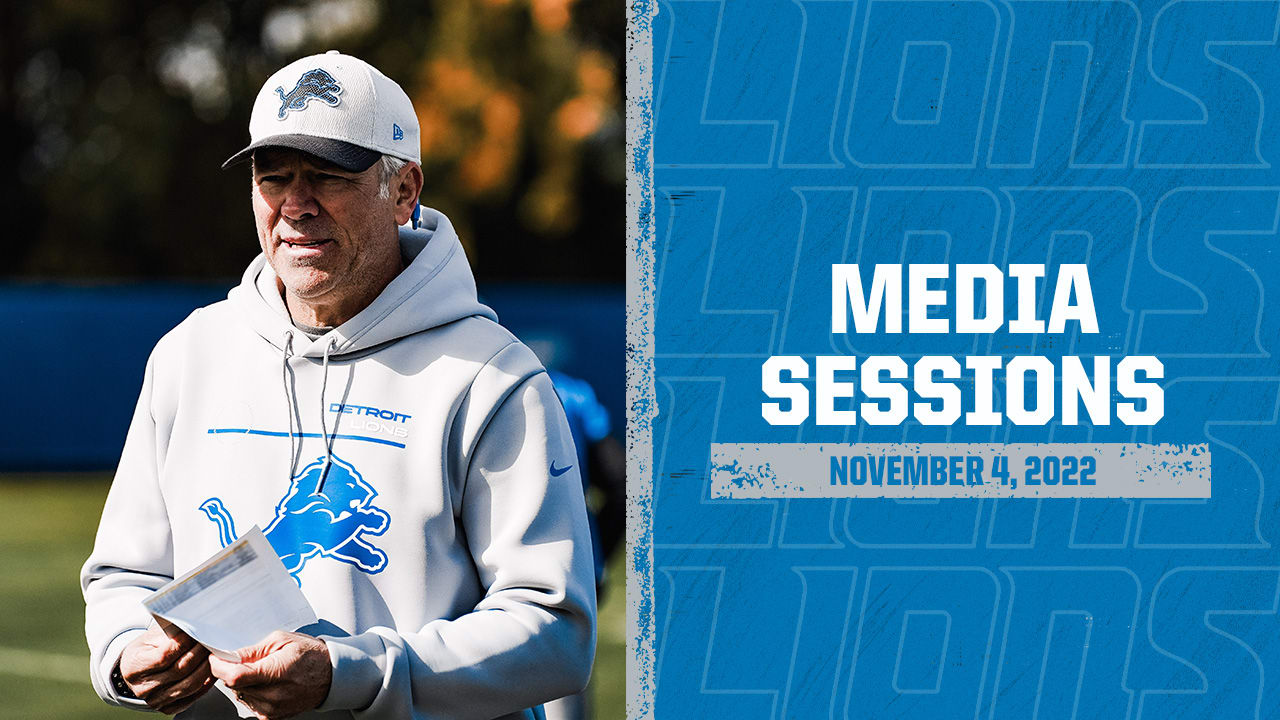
[(327, 514)]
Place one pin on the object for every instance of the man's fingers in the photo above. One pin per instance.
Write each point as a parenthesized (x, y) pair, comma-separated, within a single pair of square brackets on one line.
[(189, 670), (271, 643), (160, 655), (235, 675), (226, 671), (193, 683), (196, 657), (249, 674), (265, 705), (241, 674), (177, 669), (188, 699), (293, 677), (175, 646)]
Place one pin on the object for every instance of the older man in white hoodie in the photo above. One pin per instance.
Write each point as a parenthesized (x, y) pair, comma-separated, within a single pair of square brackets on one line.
[(407, 456)]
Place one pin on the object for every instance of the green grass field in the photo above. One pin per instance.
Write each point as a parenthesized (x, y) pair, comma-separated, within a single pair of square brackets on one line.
[(51, 521)]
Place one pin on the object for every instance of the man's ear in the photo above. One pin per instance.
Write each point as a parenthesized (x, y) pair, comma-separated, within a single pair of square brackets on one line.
[(407, 187)]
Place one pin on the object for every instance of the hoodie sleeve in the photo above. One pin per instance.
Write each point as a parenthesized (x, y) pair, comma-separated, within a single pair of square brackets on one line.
[(132, 555), (531, 638)]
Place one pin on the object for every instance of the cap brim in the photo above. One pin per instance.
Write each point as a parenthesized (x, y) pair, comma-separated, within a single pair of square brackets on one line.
[(343, 154)]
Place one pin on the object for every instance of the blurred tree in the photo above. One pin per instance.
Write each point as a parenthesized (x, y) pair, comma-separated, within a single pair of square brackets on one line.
[(118, 114)]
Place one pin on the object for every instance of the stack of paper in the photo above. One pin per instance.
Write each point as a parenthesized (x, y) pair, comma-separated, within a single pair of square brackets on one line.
[(234, 599)]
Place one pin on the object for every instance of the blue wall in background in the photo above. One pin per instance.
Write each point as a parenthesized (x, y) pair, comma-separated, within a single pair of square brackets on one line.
[(73, 357)]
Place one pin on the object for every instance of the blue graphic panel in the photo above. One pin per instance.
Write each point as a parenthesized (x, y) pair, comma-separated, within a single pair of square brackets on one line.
[(1128, 137)]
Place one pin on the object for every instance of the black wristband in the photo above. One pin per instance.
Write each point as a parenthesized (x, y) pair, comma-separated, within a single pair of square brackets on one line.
[(120, 686)]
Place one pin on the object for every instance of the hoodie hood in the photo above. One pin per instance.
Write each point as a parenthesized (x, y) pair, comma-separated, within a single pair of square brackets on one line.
[(435, 288)]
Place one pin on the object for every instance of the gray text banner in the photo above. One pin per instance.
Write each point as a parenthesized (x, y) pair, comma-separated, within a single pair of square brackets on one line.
[(959, 470)]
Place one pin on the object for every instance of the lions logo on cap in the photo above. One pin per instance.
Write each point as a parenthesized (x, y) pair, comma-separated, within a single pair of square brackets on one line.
[(313, 85)]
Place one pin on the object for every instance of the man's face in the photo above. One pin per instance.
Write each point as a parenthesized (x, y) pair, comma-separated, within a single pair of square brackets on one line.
[(326, 233)]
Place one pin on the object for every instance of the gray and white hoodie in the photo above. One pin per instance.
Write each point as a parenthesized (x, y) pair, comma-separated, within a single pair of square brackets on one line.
[(440, 534)]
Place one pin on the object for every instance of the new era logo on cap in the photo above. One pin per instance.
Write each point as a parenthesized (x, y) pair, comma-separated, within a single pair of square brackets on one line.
[(347, 124)]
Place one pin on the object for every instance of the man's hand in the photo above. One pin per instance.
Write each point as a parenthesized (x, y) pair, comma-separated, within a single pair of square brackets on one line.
[(168, 674), (285, 674)]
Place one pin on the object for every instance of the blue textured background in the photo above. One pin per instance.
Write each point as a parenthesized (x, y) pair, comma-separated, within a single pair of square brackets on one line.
[(1134, 137)]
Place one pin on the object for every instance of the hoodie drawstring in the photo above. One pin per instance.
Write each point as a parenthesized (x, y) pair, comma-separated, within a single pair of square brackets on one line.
[(288, 400), (295, 435), (324, 426)]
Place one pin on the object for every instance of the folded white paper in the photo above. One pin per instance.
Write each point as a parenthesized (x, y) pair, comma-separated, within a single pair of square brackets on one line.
[(234, 599)]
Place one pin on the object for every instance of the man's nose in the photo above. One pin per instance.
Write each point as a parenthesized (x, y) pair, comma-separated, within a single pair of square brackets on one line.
[(299, 201)]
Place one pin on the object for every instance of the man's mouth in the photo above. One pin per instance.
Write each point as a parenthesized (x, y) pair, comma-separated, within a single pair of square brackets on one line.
[(304, 242)]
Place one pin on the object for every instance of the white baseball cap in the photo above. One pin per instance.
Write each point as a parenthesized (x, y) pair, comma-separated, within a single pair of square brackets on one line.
[(336, 107)]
